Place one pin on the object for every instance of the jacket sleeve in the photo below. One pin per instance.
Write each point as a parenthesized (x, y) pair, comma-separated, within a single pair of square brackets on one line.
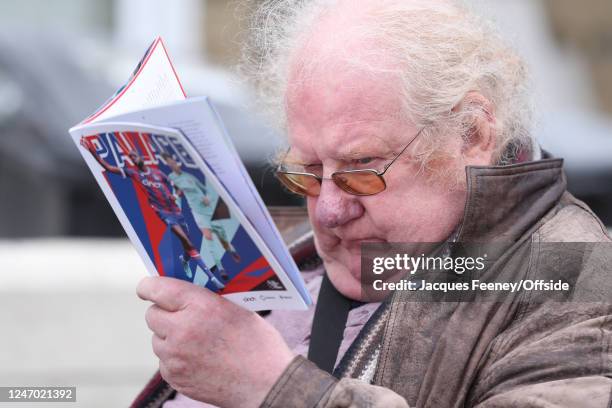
[(565, 363), (304, 385), (575, 392)]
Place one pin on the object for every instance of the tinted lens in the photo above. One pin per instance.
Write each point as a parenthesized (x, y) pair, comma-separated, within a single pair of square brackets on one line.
[(303, 184), (363, 182)]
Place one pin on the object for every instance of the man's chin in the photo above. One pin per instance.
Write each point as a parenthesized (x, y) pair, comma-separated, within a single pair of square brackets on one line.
[(354, 288), (343, 266), (349, 281)]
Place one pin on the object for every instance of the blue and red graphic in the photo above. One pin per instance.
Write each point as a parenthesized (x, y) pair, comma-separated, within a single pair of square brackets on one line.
[(215, 253)]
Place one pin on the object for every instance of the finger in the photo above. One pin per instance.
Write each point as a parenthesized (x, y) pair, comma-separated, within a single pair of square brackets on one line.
[(160, 321), (169, 293)]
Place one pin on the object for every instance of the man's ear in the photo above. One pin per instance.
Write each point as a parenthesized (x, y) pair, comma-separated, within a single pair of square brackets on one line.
[(479, 141)]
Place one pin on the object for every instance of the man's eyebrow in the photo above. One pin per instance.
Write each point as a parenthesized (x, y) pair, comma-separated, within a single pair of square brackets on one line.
[(362, 151), (356, 153), (380, 147)]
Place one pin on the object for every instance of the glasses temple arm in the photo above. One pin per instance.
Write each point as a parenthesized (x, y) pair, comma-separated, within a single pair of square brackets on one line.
[(400, 153), (280, 163)]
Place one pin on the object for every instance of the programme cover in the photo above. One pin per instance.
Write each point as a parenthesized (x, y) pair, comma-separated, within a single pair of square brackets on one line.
[(181, 219)]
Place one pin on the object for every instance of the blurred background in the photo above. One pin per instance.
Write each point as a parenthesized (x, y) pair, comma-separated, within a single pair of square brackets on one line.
[(68, 311)]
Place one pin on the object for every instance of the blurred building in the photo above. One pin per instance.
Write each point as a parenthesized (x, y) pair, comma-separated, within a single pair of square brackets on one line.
[(587, 27), (59, 60)]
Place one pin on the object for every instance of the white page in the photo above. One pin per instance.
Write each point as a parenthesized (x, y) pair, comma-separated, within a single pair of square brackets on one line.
[(195, 118), (153, 83), (281, 253)]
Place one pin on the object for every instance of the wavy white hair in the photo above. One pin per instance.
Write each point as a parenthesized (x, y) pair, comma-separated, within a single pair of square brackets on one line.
[(444, 52)]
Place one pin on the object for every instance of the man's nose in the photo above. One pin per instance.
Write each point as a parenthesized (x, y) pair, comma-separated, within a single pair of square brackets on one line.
[(335, 207)]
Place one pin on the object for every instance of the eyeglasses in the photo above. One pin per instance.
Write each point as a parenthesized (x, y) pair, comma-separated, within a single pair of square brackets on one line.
[(361, 182)]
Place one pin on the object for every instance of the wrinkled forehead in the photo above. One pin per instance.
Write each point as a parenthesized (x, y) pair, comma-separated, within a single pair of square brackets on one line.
[(340, 90), (325, 69), (338, 108), (343, 92)]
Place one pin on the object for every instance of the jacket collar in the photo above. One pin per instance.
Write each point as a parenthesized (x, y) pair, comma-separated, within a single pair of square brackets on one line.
[(504, 202)]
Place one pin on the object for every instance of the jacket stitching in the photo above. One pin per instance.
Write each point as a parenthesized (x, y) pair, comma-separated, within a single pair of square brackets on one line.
[(326, 395), (500, 342), (391, 322)]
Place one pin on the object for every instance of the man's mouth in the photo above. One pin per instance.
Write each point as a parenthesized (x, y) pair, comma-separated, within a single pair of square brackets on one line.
[(356, 242)]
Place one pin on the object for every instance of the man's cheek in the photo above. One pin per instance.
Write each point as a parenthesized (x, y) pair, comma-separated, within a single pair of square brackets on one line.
[(324, 240), (314, 222)]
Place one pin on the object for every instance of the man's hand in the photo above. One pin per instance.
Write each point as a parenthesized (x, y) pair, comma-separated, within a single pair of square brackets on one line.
[(207, 233), (209, 348), (206, 201)]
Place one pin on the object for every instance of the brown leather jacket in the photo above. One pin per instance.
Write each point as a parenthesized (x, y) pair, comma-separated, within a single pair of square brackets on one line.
[(517, 353), (521, 352)]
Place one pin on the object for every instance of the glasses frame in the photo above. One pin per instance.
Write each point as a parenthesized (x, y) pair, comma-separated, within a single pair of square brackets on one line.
[(379, 174)]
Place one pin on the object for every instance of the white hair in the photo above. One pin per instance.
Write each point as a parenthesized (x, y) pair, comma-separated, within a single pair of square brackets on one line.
[(444, 53)]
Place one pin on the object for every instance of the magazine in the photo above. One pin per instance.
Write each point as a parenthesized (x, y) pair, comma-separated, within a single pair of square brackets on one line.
[(181, 192)]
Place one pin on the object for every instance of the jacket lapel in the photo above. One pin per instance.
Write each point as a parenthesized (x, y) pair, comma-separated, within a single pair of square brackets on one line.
[(432, 350)]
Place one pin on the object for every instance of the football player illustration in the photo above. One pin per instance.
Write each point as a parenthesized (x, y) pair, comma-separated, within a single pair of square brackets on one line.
[(209, 212), (159, 192)]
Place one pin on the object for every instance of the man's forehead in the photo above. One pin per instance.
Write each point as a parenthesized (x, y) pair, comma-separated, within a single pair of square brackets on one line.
[(337, 53), (344, 99), (346, 121), (347, 109), (343, 96)]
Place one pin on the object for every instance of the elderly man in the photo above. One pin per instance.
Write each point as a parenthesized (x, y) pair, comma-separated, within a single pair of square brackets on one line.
[(407, 121)]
